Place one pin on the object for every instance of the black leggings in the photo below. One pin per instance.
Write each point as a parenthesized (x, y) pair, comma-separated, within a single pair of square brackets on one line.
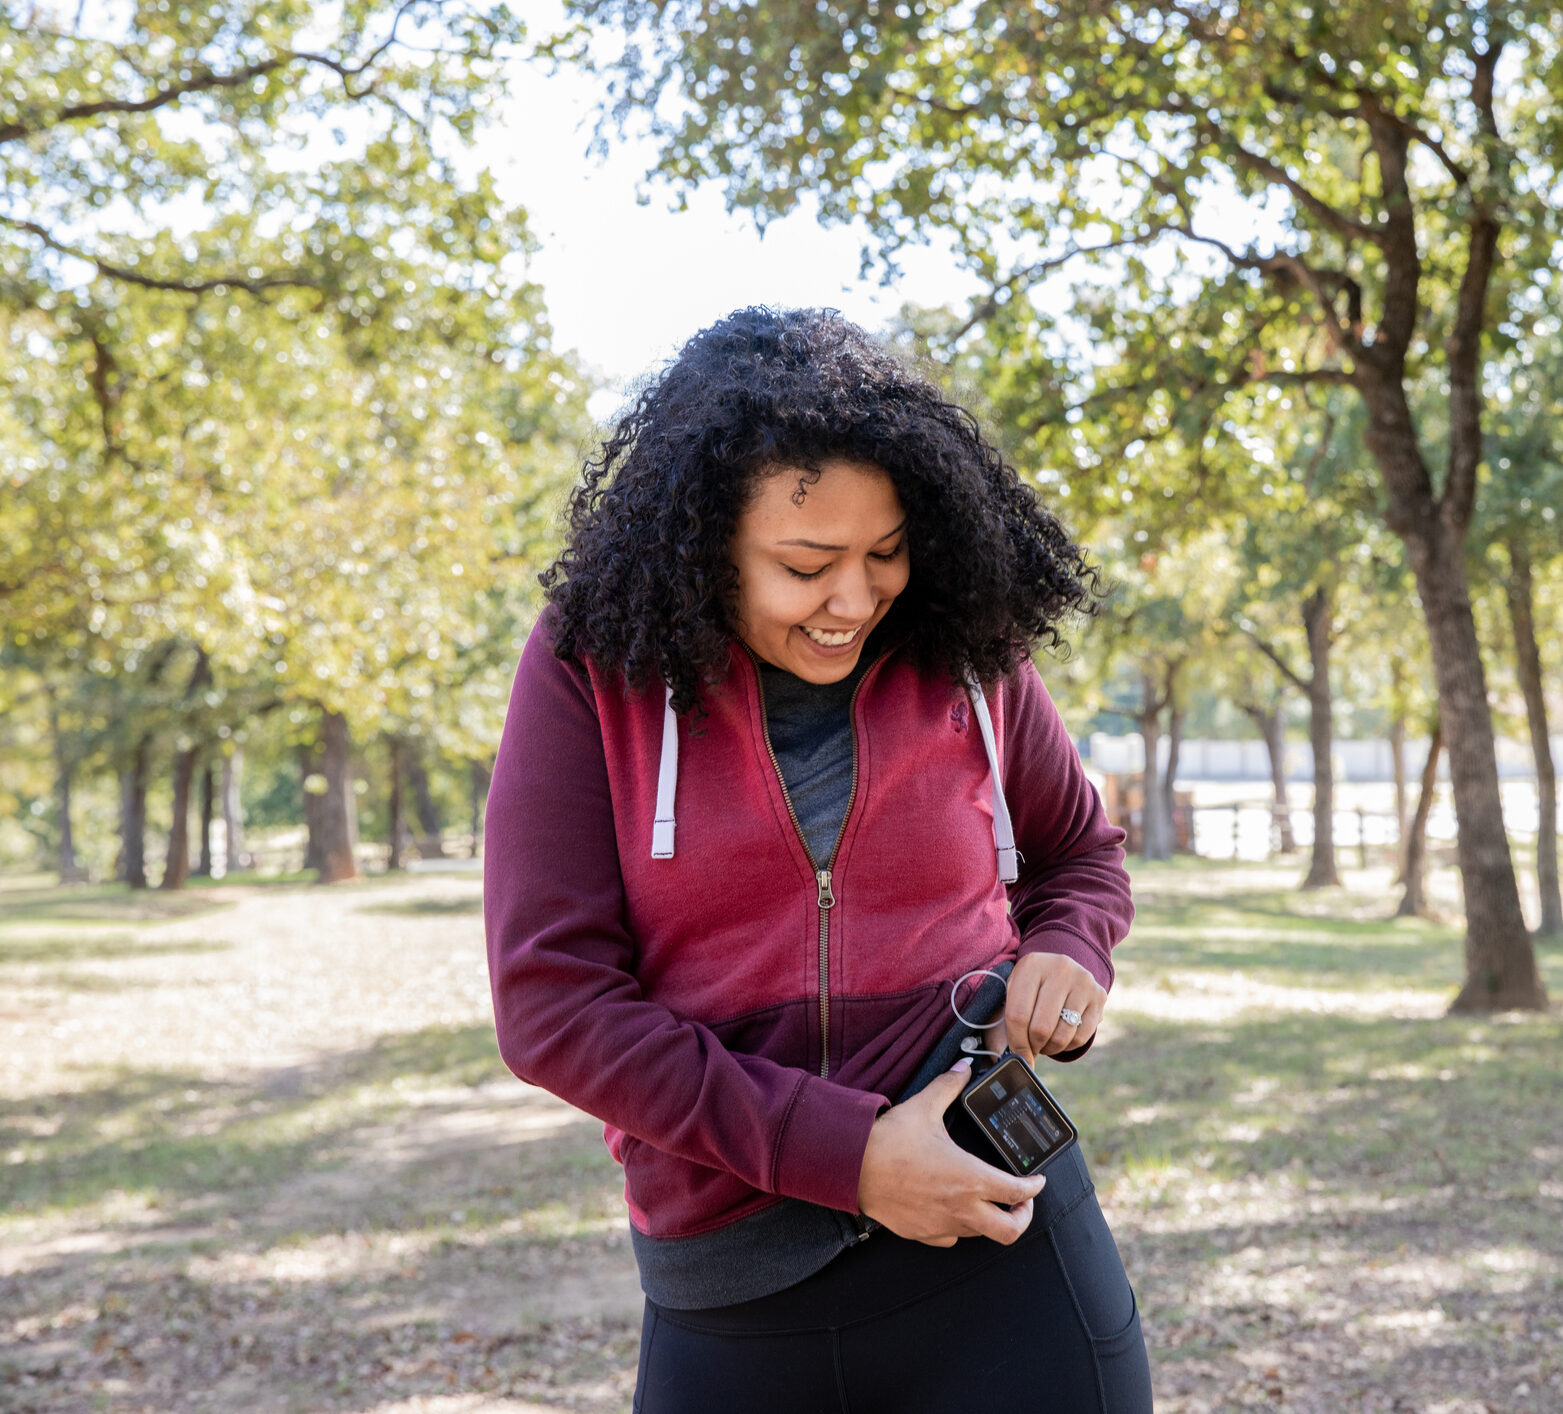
[(1045, 1326)]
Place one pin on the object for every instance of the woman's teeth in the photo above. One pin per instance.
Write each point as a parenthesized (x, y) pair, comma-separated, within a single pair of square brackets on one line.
[(831, 640)]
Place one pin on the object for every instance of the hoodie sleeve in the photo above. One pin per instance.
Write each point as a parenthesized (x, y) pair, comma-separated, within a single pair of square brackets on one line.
[(568, 1008), (1072, 895)]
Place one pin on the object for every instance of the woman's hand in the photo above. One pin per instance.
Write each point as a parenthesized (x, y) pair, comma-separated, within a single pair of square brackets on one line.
[(1042, 985), (921, 1185)]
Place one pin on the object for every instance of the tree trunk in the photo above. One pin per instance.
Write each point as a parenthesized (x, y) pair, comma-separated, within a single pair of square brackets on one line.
[(64, 768), (1272, 728), (1154, 843), (1528, 657), (309, 768), (1321, 733), (398, 802), (431, 844), (1397, 754), (133, 815), (1414, 901), (176, 867), (235, 857), (70, 871), (132, 867), (1169, 795), (338, 812), (1500, 963), (480, 777), (203, 866)]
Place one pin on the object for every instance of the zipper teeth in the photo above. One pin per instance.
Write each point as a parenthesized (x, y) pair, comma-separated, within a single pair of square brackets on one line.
[(765, 727), (824, 993), (852, 786), (824, 914)]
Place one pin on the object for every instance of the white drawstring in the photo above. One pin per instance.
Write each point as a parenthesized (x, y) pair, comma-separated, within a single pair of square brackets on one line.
[(667, 786), (1003, 829)]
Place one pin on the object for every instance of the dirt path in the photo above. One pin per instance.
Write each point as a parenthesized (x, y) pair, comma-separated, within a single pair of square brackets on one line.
[(269, 1160), (266, 1158)]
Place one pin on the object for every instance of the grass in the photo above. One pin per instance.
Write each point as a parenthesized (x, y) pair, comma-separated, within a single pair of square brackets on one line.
[(1295, 1073), (1301, 1152), (1331, 1195), (180, 1142), (427, 907), (102, 905)]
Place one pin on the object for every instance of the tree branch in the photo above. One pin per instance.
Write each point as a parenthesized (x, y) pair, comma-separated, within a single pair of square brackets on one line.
[(1403, 262), (1417, 133), (348, 72), (988, 306), (203, 81), (1287, 671), (1338, 221), (110, 270), (1369, 105), (1297, 377), (1151, 704), (1465, 338), (1317, 459), (1486, 62), (1324, 285), (104, 369), (209, 80)]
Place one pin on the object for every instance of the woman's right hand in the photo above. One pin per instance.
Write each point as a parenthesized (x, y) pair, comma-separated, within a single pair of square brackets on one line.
[(920, 1184)]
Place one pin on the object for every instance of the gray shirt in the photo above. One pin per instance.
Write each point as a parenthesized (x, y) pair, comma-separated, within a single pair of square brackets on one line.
[(810, 727)]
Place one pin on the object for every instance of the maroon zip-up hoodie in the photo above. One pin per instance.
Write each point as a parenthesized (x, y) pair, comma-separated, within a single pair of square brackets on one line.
[(736, 1020)]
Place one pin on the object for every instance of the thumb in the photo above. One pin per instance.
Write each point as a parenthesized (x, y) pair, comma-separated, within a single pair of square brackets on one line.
[(944, 1090)]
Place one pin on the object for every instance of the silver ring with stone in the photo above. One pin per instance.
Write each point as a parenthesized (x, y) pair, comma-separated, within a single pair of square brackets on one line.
[(1070, 1016)]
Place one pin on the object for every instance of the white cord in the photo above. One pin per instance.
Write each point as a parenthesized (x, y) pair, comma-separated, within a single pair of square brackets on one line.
[(971, 1045)]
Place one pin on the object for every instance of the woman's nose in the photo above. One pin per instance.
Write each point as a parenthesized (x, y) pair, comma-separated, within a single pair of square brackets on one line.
[(852, 595)]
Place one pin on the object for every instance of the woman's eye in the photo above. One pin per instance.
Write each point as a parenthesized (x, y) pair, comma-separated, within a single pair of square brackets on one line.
[(890, 554), (799, 574)]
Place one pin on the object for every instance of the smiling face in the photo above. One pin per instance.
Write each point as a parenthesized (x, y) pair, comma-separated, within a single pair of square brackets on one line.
[(816, 577)]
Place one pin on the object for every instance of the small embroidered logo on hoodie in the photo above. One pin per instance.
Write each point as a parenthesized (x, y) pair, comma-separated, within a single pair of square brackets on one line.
[(960, 715)]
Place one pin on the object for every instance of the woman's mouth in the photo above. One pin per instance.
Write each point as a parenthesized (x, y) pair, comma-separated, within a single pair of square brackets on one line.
[(831, 638)]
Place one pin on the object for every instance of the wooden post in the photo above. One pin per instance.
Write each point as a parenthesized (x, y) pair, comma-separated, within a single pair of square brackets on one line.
[(1362, 839)]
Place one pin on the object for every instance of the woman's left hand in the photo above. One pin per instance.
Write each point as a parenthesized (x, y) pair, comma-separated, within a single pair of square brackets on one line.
[(1042, 986)]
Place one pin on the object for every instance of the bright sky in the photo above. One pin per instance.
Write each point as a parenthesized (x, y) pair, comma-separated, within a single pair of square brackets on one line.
[(627, 283)]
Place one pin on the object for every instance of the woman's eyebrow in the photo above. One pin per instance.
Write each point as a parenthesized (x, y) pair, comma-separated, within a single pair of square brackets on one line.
[(841, 549)]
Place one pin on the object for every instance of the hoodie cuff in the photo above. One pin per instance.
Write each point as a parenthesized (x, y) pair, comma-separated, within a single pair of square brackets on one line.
[(819, 1156), (1071, 945)]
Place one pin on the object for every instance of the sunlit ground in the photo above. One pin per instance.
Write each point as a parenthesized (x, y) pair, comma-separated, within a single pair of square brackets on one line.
[(259, 1153)]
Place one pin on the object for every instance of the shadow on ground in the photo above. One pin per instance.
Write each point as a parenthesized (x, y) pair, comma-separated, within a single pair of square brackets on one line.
[(394, 1220), (1323, 1209)]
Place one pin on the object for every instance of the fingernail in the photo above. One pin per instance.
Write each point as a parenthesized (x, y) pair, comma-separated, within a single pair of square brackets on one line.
[(964, 1063)]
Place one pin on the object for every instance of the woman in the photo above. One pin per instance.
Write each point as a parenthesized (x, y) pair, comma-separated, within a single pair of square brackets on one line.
[(777, 772)]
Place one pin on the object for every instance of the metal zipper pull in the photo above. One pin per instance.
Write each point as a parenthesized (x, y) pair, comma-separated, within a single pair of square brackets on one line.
[(826, 898)]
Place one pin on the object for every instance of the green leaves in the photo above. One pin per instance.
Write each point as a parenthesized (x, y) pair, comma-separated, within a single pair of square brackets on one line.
[(276, 384)]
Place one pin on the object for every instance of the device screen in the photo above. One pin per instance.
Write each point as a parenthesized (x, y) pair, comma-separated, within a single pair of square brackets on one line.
[(1011, 1107)]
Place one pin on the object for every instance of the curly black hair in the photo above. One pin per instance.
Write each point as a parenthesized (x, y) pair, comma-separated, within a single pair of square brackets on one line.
[(645, 583)]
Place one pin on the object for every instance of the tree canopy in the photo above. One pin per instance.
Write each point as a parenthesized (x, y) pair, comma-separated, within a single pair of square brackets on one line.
[(279, 385), (1357, 195)]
